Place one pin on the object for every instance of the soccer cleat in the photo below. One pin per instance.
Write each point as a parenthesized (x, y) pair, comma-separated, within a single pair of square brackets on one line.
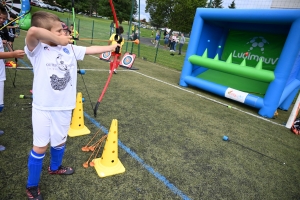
[(115, 71), (62, 170), (34, 193)]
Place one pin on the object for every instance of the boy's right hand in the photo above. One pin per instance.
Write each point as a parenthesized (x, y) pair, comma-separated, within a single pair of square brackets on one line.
[(114, 46), (19, 54), (65, 40)]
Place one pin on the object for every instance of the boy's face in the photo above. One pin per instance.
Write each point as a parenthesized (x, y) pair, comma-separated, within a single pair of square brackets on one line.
[(57, 29), (2, 18)]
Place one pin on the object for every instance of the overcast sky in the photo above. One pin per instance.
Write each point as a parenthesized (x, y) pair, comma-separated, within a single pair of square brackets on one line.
[(226, 3), (248, 3), (143, 6)]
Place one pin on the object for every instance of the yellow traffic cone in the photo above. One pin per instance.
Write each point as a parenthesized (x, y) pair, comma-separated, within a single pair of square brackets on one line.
[(77, 127), (109, 163)]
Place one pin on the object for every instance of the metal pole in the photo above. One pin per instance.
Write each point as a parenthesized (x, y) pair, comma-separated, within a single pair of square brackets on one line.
[(92, 32), (157, 47), (129, 29), (139, 27), (209, 5)]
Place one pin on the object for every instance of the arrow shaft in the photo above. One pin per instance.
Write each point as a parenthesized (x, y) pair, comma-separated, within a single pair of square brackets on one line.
[(257, 152)]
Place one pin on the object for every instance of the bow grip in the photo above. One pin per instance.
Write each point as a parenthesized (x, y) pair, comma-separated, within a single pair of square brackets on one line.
[(118, 38)]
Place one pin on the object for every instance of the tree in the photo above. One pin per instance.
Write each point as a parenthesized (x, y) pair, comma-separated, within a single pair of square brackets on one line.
[(102, 7), (174, 14), (183, 14), (160, 12), (232, 5), (216, 4), (79, 6), (122, 8)]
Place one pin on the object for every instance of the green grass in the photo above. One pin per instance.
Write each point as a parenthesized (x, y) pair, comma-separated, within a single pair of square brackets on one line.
[(171, 131), (170, 141)]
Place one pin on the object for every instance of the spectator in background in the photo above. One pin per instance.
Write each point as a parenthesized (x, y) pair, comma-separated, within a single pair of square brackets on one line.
[(170, 39), (172, 46), (166, 40), (157, 38), (153, 41), (112, 27), (133, 28), (181, 43), (165, 32), (176, 41), (11, 30)]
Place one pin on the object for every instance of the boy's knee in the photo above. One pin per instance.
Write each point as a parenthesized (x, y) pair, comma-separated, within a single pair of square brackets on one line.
[(60, 145), (40, 150)]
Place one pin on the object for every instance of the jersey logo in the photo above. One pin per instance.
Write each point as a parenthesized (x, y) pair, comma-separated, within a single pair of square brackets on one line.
[(66, 50), (60, 83)]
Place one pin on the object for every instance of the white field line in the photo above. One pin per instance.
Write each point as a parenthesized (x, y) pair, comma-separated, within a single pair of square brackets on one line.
[(204, 97)]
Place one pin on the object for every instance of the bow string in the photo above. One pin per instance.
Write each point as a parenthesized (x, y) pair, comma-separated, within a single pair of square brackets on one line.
[(79, 71)]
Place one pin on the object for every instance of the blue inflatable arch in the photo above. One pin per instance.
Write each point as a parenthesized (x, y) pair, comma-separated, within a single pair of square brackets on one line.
[(213, 64)]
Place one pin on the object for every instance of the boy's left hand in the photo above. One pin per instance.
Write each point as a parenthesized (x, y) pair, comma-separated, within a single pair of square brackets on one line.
[(19, 54), (114, 46)]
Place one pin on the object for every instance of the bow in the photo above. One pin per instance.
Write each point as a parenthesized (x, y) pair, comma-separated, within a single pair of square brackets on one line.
[(16, 61), (113, 65), (74, 25)]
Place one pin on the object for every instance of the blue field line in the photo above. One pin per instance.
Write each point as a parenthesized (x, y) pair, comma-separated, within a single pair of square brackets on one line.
[(24, 63), (160, 177)]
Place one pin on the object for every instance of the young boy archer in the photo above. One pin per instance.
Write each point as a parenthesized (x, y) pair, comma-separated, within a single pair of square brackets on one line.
[(54, 62)]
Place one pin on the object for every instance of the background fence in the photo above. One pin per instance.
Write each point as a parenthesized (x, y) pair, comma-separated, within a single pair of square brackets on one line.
[(93, 30)]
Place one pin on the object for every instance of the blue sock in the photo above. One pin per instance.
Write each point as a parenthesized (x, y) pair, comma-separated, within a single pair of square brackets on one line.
[(35, 163), (1, 107), (57, 154)]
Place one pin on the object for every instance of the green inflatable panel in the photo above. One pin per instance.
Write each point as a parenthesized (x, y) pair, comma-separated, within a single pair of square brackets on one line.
[(25, 22)]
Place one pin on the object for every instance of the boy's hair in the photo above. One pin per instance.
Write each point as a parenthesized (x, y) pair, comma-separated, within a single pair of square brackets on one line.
[(2, 10), (43, 19)]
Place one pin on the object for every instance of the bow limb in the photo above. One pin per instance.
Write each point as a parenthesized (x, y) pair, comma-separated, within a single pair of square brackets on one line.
[(16, 61), (114, 15), (105, 87), (74, 24), (118, 38), (113, 65)]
